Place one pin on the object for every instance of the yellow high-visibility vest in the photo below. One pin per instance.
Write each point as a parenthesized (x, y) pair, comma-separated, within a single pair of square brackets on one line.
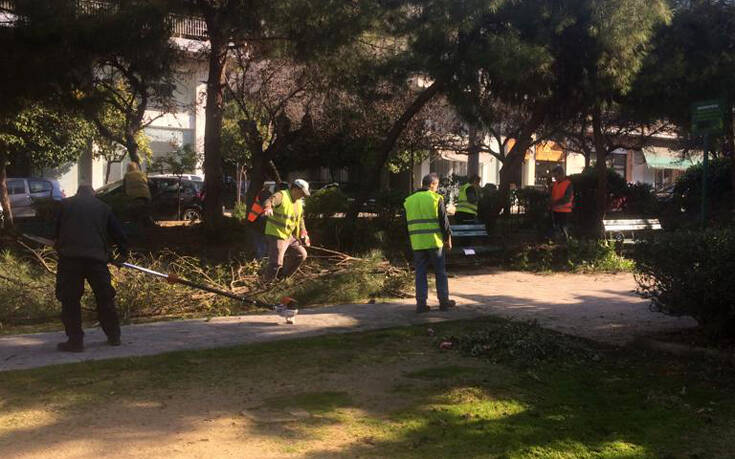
[(422, 215), (285, 218), (463, 205)]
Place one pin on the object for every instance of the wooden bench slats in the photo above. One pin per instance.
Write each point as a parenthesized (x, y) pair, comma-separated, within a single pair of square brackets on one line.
[(631, 222), (632, 227), (467, 227)]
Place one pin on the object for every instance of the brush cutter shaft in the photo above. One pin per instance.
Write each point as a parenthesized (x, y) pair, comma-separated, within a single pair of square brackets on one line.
[(145, 270), (177, 280)]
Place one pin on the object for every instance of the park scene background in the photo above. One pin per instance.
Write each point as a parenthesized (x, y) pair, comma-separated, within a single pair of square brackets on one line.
[(615, 343)]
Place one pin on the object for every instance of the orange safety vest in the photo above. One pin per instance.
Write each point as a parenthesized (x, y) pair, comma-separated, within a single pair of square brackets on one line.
[(256, 210), (558, 190)]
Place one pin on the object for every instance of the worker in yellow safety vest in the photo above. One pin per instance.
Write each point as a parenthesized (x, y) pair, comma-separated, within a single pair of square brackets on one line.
[(285, 229), (562, 201), (469, 198), (429, 230)]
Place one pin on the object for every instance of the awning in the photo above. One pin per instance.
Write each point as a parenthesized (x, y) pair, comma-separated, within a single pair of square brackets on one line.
[(549, 151), (663, 158)]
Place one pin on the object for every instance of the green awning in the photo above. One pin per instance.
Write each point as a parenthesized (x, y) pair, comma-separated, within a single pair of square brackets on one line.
[(663, 158)]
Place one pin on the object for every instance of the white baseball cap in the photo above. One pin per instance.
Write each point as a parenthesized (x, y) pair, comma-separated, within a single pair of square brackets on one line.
[(303, 185)]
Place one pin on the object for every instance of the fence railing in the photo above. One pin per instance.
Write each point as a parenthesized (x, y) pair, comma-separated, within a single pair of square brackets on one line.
[(181, 25), (188, 27)]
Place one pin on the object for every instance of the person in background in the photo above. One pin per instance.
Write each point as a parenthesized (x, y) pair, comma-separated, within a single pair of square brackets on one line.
[(84, 228), (468, 200), (285, 229), (258, 222), (429, 231), (562, 202), (135, 184)]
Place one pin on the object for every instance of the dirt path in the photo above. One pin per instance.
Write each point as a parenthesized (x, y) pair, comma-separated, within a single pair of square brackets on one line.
[(599, 307)]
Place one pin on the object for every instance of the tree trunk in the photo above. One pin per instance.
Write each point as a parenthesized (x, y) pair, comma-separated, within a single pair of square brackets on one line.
[(601, 168), (132, 146), (508, 172), (4, 196), (730, 147), (212, 134), (257, 178), (386, 148), (473, 157)]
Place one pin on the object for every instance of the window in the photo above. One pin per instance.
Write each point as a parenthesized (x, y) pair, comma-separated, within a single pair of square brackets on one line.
[(40, 186), (16, 187), (618, 163)]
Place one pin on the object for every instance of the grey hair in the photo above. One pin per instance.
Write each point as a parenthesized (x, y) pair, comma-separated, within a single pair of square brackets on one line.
[(429, 179)]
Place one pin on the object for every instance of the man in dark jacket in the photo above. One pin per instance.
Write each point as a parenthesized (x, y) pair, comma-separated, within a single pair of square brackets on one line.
[(84, 229)]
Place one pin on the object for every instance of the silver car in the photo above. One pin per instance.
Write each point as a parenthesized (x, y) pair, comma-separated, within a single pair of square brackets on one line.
[(24, 191)]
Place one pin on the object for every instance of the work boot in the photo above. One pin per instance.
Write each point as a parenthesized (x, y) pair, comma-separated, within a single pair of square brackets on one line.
[(113, 340), (71, 346), (445, 305), (420, 309)]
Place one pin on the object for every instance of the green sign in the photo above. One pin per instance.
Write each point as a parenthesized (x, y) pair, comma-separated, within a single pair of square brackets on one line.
[(707, 117)]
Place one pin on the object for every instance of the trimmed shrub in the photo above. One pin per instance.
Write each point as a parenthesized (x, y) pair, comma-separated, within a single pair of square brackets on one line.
[(326, 202), (577, 256), (691, 273), (688, 191), (240, 211)]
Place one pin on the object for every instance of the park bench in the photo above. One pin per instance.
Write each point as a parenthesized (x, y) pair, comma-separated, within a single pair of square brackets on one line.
[(626, 231), (470, 239)]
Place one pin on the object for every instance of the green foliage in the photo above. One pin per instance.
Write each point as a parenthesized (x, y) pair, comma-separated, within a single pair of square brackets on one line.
[(691, 273), (26, 291), (43, 137), (596, 256), (523, 344), (326, 203), (688, 191), (580, 256), (240, 212), (182, 161)]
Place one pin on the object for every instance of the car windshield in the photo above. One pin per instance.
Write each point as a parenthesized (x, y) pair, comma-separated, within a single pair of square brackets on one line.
[(109, 187)]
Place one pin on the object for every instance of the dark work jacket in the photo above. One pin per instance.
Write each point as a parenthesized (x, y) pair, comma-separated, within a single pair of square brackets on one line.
[(85, 228)]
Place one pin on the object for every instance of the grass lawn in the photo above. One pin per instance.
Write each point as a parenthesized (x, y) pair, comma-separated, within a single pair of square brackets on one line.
[(390, 393)]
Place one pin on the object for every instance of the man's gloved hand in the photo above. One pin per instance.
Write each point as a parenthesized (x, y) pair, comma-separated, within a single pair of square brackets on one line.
[(268, 212), (122, 257)]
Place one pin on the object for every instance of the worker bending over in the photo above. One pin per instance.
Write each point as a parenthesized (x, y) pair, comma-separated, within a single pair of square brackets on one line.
[(285, 229), (468, 200)]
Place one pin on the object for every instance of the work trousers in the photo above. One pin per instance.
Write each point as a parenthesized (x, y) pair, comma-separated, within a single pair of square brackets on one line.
[(422, 259), (276, 254), (70, 276), (561, 224)]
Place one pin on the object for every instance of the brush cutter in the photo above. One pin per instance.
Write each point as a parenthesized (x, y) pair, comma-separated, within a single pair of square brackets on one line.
[(287, 308)]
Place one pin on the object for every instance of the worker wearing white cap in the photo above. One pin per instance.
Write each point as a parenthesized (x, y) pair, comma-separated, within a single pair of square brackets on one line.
[(285, 229)]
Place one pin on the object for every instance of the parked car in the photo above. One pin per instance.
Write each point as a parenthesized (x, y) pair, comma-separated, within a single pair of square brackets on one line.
[(23, 192), (165, 196), (192, 177)]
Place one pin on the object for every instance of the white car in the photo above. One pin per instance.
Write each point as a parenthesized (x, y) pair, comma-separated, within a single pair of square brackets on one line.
[(24, 191), (192, 177)]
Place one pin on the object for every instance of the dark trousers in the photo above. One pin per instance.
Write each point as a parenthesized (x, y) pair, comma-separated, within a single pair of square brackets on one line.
[(70, 276), (422, 259), (560, 222)]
